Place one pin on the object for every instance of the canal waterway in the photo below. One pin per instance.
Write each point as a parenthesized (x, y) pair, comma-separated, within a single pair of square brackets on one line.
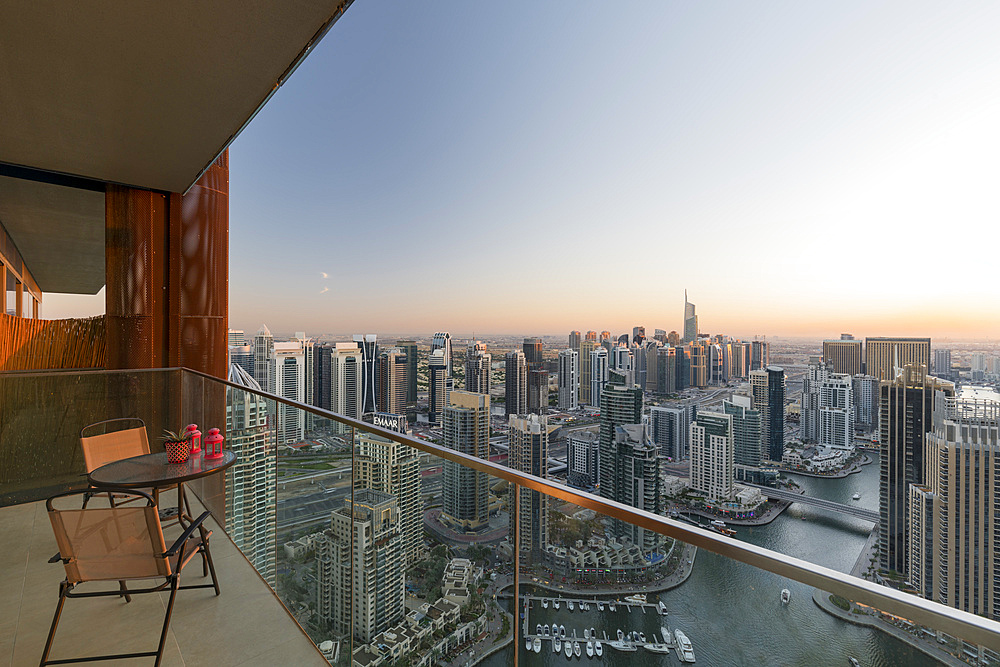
[(732, 612)]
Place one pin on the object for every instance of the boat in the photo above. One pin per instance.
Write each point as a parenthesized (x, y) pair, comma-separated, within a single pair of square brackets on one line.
[(556, 644), (720, 527), (638, 598), (586, 606), (786, 595), (663, 608), (555, 604), (536, 645), (568, 647), (668, 637), (590, 649), (657, 647), (527, 643), (545, 630), (854, 662), (856, 496), (569, 605), (576, 648), (621, 635), (611, 606), (599, 649), (684, 649), (545, 603), (538, 629), (562, 631), (600, 606), (586, 633), (622, 646), (642, 638), (593, 633)]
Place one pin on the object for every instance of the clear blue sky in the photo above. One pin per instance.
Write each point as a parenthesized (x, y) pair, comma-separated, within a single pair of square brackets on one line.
[(801, 168)]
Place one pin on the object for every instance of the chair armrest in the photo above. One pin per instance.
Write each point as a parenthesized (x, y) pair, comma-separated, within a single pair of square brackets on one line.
[(56, 558), (186, 535)]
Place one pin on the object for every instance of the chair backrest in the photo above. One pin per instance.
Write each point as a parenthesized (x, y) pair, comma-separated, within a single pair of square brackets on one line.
[(110, 543), (114, 446)]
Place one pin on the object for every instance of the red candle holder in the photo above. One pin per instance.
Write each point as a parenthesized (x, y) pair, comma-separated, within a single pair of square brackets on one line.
[(213, 444), (195, 439)]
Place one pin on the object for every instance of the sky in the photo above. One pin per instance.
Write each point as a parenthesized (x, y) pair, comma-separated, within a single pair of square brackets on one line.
[(802, 169)]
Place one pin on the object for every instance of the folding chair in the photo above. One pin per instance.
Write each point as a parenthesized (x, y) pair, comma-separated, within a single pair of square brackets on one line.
[(109, 446), (121, 544)]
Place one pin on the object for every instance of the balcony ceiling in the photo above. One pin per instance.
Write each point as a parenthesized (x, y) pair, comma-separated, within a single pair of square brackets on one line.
[(144, 94)]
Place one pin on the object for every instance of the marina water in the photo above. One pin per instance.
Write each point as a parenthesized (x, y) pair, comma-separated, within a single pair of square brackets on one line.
[(733, 613)]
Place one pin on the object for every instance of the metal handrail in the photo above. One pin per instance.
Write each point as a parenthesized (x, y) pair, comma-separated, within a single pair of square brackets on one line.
[(970, 627)]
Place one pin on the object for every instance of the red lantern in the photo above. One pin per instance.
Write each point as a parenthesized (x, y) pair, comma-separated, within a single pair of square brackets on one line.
[(213, 444), (195, 439)]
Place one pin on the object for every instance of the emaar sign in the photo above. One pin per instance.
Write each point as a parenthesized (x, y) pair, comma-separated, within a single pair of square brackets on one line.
[(386, 420)]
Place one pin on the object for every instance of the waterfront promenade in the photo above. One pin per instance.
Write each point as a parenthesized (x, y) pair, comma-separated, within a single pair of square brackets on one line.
[(855, 467)]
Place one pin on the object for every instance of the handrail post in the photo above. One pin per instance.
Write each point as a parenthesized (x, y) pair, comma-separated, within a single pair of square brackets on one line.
[(516, 606)]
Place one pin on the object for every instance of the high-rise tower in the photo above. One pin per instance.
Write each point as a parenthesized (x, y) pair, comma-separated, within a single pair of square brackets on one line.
[(477, 368), (515, 383), (442, 341), (368, 344), (466, 491), (884, 355), (569, 371), (263, 354), (409, 348), (690, 320), (528, 442)]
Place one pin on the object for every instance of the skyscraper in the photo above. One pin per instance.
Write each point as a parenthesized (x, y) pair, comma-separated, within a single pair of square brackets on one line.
[(409, 348), (638, 335), (621, 360), (669, 428), (442, 341), (884, 355), (843, 356), (393, 468), (528, 452), (760, 355), (638, 465), (250, 483), (907, 403), (583, 457), (768, 387), (515, 383), (619, 405), (598, 374), (952, 557), (368, 344), (712, 455), (942, 363), (477, 368), (532, 348), (290, 382), (437, 386), (346, 388), (746, 434), (569, 371), (666, 370), (591, 335), (574, 340), (466, 491), (392, 381), (263, 359), (827, 406), (587, 346), (866, 401), (690, 320), (538, 377), (360, 567)]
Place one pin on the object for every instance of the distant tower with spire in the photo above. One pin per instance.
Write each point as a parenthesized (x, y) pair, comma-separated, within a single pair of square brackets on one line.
[(690, 320)]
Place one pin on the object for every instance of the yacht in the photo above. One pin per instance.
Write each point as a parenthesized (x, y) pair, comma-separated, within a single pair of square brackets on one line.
[(638, 598), (555, 603), (536, 645), (599, 649), (527, 643), (586, 633), (576, 648), (593, 633), (545, 630), (621, 635), (642, 638), (569, 605), (600, 606), (668, 637), (656, 647), (590, 649), (856, 496), (545, 603), (538, 629), (562, 631), (585, 606), (611, 606), (556, 644), (663, 608), (786, 595), (684, 649), (622, 646), (854, 662), (568, 649)]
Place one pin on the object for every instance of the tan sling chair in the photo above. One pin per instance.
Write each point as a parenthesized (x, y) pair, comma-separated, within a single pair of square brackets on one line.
[(101, 448), (119, 544)]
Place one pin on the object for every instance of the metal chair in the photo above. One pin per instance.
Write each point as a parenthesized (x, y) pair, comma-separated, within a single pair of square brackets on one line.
[(120, 544), (109, 446)]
